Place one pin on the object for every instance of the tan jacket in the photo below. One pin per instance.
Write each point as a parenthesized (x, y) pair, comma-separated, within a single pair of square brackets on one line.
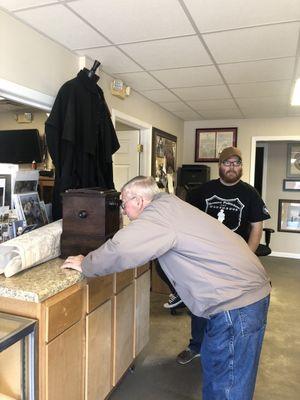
[(211, 267)]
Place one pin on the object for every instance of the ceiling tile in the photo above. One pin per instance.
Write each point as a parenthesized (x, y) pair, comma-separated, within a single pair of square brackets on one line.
[(213, 15), (265, 112), (174, 106), (112, 60), (263, 102), (159, 95), (201, 105), (189, 77), (254, 43), (188, 115), (261, 89), (60, 24), (266, 70), (203, 92), (221, 114), (140, 81), (135, 20), (13, 5), (169, 53)]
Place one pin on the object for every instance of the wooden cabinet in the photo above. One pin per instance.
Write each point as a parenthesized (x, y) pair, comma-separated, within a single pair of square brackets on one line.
[(62, 345), (123, 332), (64, 365), (88, 334), (142, 312), (99, 352)]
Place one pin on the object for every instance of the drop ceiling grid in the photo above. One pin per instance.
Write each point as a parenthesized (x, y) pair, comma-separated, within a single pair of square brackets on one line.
[(180, 52)]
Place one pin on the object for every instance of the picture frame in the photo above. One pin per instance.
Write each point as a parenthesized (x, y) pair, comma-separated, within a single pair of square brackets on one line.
[(288, 216), (29, 209), (293, 160), (291, 185), (164, 158), (209, 142)]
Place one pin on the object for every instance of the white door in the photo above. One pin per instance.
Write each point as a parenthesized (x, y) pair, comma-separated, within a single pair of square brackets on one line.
[(126, 159)]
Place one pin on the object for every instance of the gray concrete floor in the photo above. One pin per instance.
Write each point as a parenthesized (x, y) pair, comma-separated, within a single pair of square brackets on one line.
[(157, 376)]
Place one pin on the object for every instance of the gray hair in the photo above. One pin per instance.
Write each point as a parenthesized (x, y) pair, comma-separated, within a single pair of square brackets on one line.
[(144, 186)]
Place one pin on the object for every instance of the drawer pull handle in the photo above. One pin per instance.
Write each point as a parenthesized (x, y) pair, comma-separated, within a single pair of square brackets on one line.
[(82, 214)]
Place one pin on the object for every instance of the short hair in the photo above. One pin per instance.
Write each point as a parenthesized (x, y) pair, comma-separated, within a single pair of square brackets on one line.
[(144, 186)]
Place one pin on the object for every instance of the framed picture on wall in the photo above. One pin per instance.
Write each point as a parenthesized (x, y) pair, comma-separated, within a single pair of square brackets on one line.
[(164, 153), (291, 185), (293, 160), (289, 215), (211, 141)]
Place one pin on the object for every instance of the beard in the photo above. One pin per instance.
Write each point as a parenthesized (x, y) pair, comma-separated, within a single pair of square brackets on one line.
[(230, 176)]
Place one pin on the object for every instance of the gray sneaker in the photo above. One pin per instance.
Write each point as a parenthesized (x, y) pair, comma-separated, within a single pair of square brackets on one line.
[(187, 356)]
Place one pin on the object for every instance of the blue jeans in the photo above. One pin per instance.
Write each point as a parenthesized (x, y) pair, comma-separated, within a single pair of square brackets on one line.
[(230, 352)]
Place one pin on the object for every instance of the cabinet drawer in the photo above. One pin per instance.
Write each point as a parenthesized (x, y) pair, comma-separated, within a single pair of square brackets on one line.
[(123, 279), (99, 290), (62, 311)]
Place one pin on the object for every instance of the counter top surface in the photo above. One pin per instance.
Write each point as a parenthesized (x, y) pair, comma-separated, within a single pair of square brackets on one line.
[(38, 283)]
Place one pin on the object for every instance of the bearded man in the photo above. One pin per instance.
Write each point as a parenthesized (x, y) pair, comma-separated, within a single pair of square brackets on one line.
[(235, 204)]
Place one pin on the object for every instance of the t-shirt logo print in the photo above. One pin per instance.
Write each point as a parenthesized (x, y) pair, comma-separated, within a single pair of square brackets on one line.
[(227, 211)]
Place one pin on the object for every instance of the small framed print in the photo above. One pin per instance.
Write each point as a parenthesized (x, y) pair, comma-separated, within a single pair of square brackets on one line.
[(289, 216), (291, 185), (293, 160), (211, 141), (164, 152)]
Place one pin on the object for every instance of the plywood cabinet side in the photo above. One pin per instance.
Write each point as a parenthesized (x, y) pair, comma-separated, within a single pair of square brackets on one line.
[(123, 332), (99, 353)]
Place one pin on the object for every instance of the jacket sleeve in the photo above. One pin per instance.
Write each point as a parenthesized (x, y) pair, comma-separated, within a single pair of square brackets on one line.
[(132, 246)]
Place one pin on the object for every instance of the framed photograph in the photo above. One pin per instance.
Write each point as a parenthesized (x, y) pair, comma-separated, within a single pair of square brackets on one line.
[(164, 150), (211, 141), (26, 181), (289, 215), (291, 185), (293, 160), (44, 212), (30, 209)]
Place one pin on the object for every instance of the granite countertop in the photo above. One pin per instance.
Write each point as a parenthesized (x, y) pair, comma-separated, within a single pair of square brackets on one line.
[(38, 283)]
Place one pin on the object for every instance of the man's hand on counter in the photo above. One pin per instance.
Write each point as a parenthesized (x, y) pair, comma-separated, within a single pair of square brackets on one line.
[(73, 262)]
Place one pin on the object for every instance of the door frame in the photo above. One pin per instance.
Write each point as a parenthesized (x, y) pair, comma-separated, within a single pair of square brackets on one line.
[(145, 137), (254, 141)]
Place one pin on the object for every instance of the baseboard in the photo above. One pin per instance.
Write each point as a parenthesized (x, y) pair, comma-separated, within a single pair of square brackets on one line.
[(285, 255)]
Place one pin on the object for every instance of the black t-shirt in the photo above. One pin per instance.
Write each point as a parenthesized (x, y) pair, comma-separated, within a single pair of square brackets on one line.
[(235, 206)]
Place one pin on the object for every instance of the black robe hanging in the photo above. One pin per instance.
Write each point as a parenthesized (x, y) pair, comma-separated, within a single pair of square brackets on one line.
[(81, 138)]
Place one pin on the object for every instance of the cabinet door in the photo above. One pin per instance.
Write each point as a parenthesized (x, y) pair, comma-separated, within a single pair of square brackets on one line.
[(142, 312), (99, 352), (64, 365), (123, 331)]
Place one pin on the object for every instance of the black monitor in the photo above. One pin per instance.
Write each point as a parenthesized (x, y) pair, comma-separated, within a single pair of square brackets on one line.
[(20, 146)]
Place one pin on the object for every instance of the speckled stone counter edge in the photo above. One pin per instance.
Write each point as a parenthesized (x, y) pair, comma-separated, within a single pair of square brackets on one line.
[(39, 283)]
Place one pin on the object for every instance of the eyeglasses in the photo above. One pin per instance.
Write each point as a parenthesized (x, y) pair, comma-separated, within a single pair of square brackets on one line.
[(123, 203), (236, 163)]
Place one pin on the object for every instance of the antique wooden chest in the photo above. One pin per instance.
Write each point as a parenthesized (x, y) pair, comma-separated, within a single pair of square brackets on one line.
[(90, 217)]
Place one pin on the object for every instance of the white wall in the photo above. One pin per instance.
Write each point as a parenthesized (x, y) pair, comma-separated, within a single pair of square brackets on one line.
[(246, 130)]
